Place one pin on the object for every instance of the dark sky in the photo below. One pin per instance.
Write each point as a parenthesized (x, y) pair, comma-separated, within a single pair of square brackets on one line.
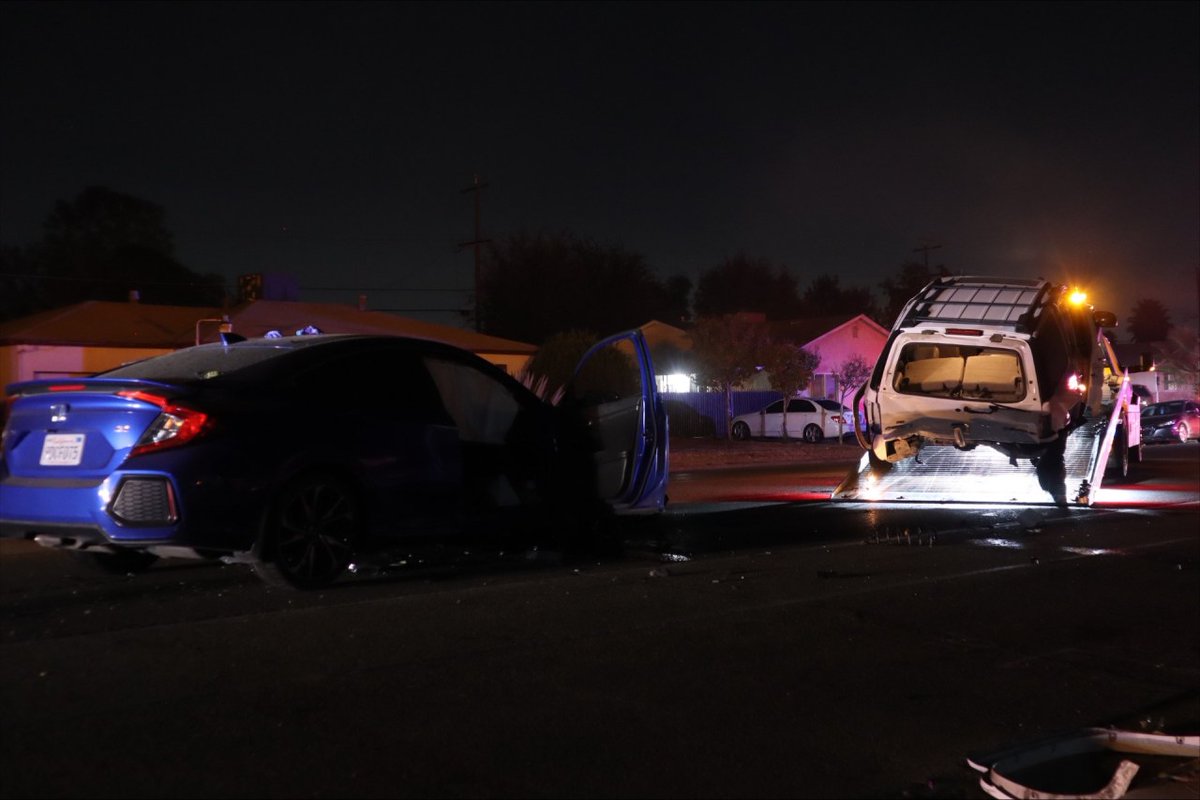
[(333, 141)]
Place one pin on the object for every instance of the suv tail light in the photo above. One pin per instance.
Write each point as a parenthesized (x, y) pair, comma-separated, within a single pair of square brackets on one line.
[(176, 424)]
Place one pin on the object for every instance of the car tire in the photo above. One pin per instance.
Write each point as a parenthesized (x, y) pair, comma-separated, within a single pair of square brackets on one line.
[(1183, 432), (310, 533), (813, 434), (122, 562), (741, 431)]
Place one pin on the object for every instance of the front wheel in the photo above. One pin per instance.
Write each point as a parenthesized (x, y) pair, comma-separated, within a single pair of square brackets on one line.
[(813, 434), (741, 431), (1183, 432), (310, 535)]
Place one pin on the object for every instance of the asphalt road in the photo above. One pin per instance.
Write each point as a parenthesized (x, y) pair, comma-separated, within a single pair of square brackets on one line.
[(753, 647)]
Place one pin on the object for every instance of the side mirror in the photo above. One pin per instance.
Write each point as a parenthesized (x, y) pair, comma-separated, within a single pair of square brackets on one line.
[(1104, 319)]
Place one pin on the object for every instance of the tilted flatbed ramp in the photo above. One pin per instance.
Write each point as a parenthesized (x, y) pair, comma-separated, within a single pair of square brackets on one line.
[(945, 474), (982, 475)]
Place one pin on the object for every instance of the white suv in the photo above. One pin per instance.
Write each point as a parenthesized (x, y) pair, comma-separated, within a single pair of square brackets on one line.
[(1014, 364)]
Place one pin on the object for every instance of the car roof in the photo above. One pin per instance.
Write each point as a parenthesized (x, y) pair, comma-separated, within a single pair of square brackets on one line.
[(206, 361), (1011, 304)]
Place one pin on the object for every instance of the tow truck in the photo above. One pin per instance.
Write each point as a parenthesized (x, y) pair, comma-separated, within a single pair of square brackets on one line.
[(955, 443)]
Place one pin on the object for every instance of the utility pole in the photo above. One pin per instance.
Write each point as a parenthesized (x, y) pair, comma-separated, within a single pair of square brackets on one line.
[(925, 248), (477, 188)]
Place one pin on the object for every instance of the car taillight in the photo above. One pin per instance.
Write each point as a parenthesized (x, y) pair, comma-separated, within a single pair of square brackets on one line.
[(175, 425)]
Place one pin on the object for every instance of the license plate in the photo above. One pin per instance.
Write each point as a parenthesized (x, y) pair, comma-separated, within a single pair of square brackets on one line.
[(62, 450)]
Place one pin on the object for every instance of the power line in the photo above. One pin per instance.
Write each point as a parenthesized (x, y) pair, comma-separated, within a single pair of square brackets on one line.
[(925, 249)]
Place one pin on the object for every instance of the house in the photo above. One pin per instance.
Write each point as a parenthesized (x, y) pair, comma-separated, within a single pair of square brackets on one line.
[(93, 336), (1170, 369), (835, 339), (669, 347), (695, 412)]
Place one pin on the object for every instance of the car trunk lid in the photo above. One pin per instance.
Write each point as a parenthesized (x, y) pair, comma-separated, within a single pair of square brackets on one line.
[(77, 429)]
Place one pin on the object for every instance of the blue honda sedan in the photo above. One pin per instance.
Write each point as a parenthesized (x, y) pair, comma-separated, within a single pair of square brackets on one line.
[(305, 455)]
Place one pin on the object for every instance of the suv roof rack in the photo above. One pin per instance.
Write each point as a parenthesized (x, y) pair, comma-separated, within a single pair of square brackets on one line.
[(986, 301)]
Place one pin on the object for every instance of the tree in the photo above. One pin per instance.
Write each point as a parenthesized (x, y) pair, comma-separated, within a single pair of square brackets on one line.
[(21, 293), (1150, 321), (554, 362), (910, 278), (742, 283), (103, 244), (533, 286), (851, 374), (824, 296), (678, 298), (726, 351), (789, 368)]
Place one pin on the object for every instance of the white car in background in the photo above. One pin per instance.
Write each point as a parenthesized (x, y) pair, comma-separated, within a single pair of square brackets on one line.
[(807, 419)]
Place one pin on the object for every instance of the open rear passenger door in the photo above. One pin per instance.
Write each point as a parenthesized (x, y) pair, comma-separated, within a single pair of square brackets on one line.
[(623, 422)]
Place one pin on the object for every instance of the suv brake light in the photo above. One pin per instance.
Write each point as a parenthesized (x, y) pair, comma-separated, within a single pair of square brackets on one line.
[(176, 424)]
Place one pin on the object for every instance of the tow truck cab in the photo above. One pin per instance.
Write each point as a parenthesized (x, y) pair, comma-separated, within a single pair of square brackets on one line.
[(1013, 364)]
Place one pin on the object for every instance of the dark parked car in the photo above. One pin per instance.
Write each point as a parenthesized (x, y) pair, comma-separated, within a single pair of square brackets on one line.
[(302, 455), (1171, 421)]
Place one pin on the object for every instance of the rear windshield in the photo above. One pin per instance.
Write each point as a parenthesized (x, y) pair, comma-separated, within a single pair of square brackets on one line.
[(198, 363), (960, 372)]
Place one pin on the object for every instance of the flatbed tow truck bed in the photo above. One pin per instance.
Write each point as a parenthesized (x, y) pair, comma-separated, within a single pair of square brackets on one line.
[(982, 475)]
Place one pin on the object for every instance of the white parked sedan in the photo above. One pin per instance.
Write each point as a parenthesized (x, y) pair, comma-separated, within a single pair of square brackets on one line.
[(805, 419)]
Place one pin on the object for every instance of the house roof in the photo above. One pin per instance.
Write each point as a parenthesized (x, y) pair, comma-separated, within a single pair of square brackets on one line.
[(806, 331), (809, 330), (659, 333), (100, 323), (96, 323), (256, 318)]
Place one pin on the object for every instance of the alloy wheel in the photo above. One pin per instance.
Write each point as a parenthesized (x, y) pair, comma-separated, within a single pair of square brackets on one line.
[(312, 533)]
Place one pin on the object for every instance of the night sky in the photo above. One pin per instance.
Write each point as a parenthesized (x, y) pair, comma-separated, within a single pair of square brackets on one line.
[(333, 141)]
